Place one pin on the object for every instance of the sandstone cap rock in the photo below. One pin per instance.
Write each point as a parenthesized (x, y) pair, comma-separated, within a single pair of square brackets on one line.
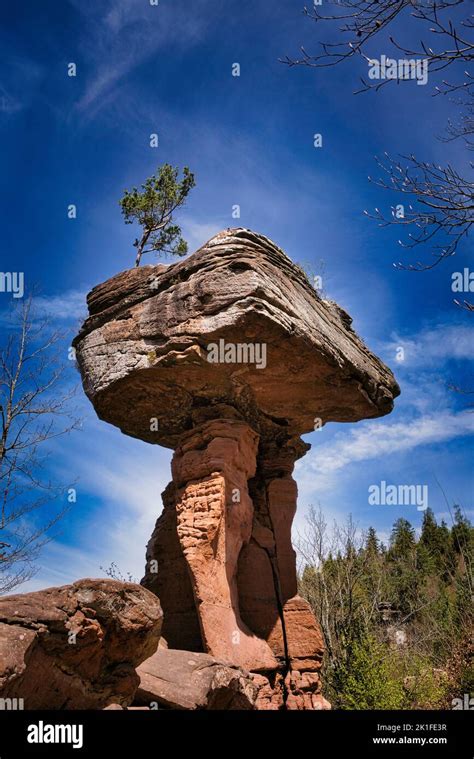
[(147, 349)]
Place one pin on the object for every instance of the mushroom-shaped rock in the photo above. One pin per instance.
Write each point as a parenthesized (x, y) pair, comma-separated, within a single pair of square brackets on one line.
[(228, 357)]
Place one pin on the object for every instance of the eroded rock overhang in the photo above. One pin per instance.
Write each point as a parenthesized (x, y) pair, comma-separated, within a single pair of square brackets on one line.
[(145, 347)]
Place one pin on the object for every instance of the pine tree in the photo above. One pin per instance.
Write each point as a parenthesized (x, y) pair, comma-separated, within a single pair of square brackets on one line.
[(153, 207), (402, 539), (461, 533), (405, 578), (428, 548), (372, 543), (429, 531)]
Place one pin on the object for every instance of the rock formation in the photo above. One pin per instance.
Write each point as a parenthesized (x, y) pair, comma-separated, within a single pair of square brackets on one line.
[(184, 680), (77, 647), (228, 357)]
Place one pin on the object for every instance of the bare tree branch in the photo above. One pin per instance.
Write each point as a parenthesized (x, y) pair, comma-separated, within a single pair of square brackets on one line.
[(443, 210), (359, 22), (34, 408)]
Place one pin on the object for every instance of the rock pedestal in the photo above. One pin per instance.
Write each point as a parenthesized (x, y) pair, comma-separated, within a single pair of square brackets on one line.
[(228, 357), (225, 537)]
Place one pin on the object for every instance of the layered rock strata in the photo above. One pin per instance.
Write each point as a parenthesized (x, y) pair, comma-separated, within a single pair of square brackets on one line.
[(228, 357)]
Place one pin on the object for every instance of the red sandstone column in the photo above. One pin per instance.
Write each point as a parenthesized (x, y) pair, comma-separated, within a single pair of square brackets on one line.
[(211, 469), (267, 581)]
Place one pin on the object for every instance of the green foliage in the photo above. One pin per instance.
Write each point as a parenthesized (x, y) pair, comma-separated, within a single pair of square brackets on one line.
[(363, 678), (425, 686), (372, 543), (405, 576), (434, 547), (402, 540), (462, 535), (153, 207), (397, 621)]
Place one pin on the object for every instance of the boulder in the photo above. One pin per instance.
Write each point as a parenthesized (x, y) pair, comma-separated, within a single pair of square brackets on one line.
[(77, 646), (187, 680)]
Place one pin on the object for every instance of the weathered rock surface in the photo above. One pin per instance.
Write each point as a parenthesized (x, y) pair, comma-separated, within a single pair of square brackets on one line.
[(144, 346), (77, 646), (187, 680), (228, 357), (295, 691)]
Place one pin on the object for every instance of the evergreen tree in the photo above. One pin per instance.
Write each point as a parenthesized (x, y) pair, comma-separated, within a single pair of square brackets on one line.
[(372, 543), (402, 540), (153, 208), (404, 578), (429, 531), (428, 548), (461, 533), (447, 555)]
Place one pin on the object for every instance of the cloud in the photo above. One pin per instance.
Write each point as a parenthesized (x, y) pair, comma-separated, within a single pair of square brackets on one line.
[(68, 306), (197, 234), (118, 481), (61, 312), (21, 78), (379, 439), (434, 345), (8, 103), (118, 39), (62, 564)]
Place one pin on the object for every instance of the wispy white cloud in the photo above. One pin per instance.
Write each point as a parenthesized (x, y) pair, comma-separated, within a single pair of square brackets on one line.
[(62, 312), (62, 564), (118, 481), (434, 345), (10, 104), (196, 234), (376, 440), (118, 38), (68, 306), (19, 84)]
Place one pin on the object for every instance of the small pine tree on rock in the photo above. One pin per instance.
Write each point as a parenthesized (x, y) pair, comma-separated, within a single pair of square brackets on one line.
[(153, 207)]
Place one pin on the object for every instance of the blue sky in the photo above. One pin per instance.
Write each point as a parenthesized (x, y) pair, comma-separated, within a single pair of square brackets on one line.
[(249, 140)]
